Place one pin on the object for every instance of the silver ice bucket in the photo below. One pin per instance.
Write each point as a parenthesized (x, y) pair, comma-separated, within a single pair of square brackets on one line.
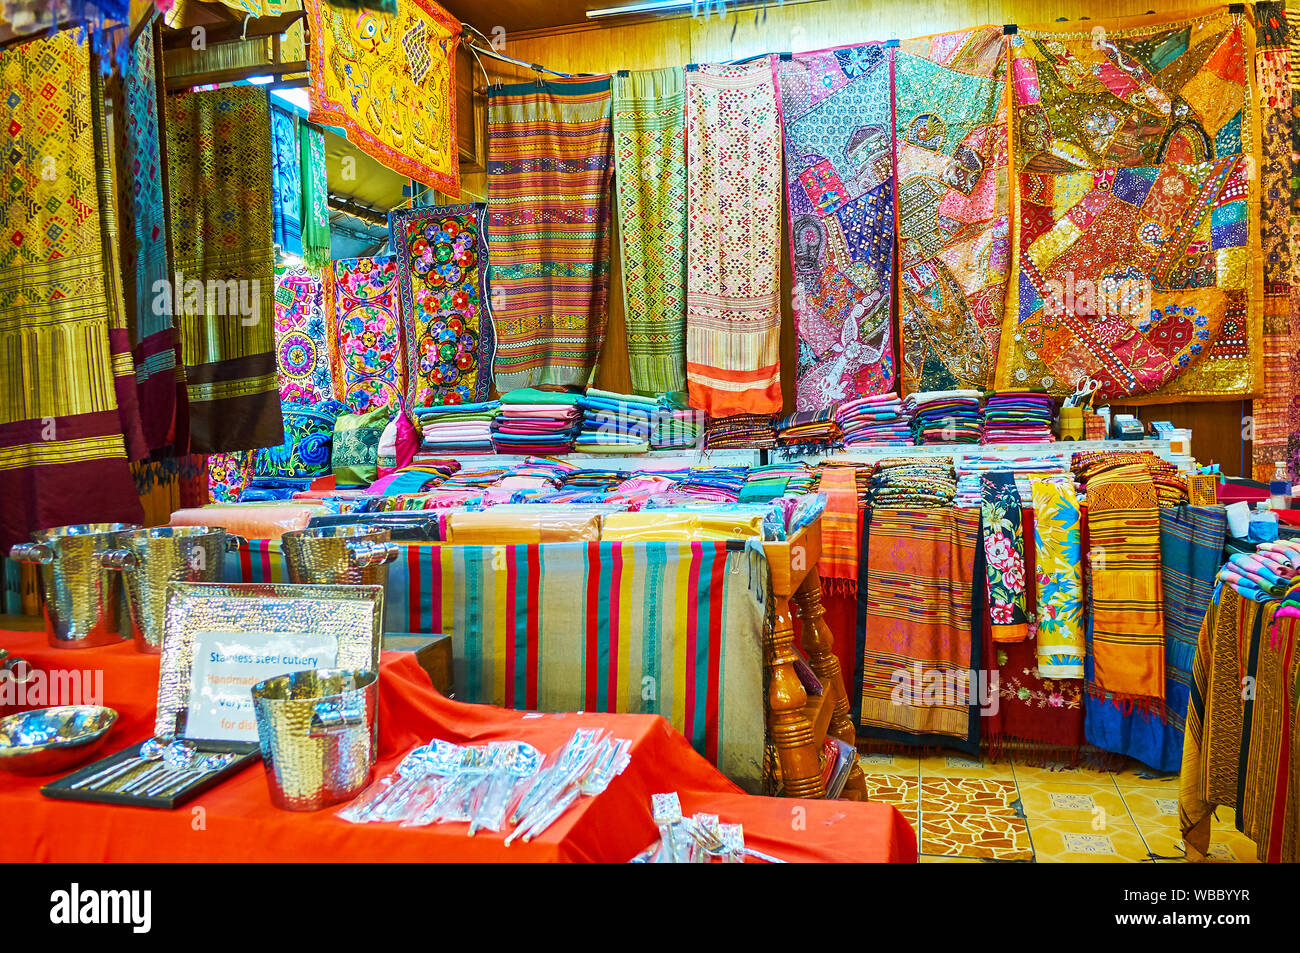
[(319, 734), (339, 555)]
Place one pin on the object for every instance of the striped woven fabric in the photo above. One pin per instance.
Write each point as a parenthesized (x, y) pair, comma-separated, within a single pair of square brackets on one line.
[(838, 566), (549, 174), (674, 629), (1128, 645)]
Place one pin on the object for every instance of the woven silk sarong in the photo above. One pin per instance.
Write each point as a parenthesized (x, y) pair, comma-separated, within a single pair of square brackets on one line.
[(155, 346), (1004, 556), (838, 566), (650, 179), (389, 81), (1137, 257), (950, 138), (733, 181), (365, 329), (64, 354), (442, 271), (1128, 649), (1191, 550), (286, 183), (659, 628), (549, 228), (837, 115), (915, 645), (223, 290), (1058, 559), (315, 197), (302, 344)]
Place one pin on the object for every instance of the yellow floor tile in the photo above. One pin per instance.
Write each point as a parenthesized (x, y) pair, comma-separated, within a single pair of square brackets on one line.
[(996, 836), (1071, 801), (1026, 774), (977, 795), (1073, 843), (929, 859), (1164, 837), (889, 764), (950, 764), (1137, 775), (895, 789)]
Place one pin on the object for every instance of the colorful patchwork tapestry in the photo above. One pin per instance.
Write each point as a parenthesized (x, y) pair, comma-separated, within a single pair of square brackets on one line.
[(229, 474), (915, 647), (1128, 639), (286, 183), (1271, 413), (442, 268), (837, 115), (223, 293), (65, 360), (1137, 258), (1004, 556), (650, 178), (733, 183), (1191, 549), (535, 627), (954, 251), (304, 356), (154, 342), (389, 82), (549, 228), (1058, 560), (365, 330), (315, 197)]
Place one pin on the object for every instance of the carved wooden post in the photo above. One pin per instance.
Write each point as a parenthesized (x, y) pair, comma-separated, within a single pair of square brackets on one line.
[(791, 731)]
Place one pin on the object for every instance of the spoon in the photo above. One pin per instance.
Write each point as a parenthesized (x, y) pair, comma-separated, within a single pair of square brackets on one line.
[(150, 750)]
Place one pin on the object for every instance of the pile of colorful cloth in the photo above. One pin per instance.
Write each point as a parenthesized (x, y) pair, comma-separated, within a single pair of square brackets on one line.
[(676, 429), (944, 416), (537, 421), (1123, 465), (714, 484), (741, 432), (457, 428), (766, 483), (972, 466), (877, 421), (912, 483), (808, 429), (1268, 573), (1017, 417), (615, 423)]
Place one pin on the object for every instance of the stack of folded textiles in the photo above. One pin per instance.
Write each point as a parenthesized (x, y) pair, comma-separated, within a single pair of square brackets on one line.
[(457, 428), (1254, 577), (741, 432), (594, 478), (1012, 416), (877, 421), (536, 476), (644, 484), (675, 428), (944, 416), (808, 428), (615, 423), (766, 483), (1026, 468), (1171, 486), (537, 421), (912, 483), (715, 484)]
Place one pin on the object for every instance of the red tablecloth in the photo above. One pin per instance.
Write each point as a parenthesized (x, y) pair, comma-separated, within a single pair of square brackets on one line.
[(236, 822)]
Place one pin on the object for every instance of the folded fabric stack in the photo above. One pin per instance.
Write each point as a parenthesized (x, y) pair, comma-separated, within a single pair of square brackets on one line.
[(1171, 486), (970, 467), (537, 421), (1017, 417), (808, 428), (420, 475), (457, 428), (676, 429), (877, 421), (594, 478), (1254, 577), (535, 477), (766, 483), (912, 483), (715, 484), (473, 478), (944, 416), (615, 423), (741, 432)]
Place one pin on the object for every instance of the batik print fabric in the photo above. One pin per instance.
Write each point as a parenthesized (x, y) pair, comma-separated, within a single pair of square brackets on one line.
[(389, 82), (223, 292), (1137, 258), (1058, 557), (650, 181), (1004, 556), (733, 188), (286, 183), (442, 269), (549, 172), (302, 344), (1280, 389), (63, 351), (954, 252), (154, 343), (837, 117), (365, 327)]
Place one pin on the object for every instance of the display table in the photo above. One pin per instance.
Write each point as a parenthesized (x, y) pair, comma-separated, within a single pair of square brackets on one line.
[(236, 822)]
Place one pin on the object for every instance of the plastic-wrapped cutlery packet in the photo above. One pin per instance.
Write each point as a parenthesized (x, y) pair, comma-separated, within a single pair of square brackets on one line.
[(699, 839)]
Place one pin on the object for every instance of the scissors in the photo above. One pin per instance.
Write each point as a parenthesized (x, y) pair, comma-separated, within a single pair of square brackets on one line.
[(1084, 389)]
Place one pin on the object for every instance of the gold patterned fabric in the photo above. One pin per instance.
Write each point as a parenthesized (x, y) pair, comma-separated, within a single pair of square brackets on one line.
[(219, 185), (65, 363), (389, 81)]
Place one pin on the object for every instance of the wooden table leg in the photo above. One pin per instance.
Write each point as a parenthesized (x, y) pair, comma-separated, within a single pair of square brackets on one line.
[(791, 732), (818, 646)]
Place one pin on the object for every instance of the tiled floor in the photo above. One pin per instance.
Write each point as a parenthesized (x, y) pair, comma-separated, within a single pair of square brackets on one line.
[(966, 811)]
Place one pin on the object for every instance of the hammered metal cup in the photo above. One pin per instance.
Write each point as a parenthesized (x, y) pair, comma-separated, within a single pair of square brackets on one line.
[(151, 558), (339, 555), (319, 734), (83, 600)]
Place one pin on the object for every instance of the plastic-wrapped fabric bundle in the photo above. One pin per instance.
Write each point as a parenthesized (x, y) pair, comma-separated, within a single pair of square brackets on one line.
[(681, 526), (250, 520), (510, 523)]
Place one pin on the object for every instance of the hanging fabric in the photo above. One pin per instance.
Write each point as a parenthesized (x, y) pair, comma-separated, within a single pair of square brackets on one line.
[(364, 327), (302, 343), (315, 197), (837, 114), (650, 178), (549, 228), (1004, 556), (1058, 554), (286, 184)]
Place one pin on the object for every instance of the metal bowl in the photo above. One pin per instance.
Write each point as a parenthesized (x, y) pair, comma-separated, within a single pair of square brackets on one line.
[(49, 740)]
